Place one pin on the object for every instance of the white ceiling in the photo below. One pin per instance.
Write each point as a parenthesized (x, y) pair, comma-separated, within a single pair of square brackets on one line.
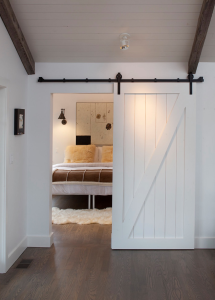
[(88, 30)]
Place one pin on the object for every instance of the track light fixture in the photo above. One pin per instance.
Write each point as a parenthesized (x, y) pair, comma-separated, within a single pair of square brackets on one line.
[(124, 40)]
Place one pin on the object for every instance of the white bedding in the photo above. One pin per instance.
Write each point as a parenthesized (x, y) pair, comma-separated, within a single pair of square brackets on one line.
[(82, 188), (81, 166)]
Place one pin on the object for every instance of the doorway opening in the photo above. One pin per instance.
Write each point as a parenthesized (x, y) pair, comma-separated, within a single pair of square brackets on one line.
[(3, 119), (82, 174)]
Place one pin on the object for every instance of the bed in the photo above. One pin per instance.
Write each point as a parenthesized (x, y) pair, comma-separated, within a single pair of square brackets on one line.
[(94, 178)]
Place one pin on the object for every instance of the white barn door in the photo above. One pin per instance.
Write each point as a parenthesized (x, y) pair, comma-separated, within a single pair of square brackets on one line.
[(154, 166)]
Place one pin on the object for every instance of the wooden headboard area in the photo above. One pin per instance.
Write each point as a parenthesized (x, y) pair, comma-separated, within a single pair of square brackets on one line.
[(94, 123)]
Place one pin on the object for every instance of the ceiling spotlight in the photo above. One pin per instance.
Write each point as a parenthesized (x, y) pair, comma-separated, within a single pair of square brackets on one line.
[(124, 40)]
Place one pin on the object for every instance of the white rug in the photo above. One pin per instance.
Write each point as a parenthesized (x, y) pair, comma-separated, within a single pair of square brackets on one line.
[(81, 216)]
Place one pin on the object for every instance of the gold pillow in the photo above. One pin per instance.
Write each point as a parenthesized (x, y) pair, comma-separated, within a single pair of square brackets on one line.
[(80, 154), (107, 153)]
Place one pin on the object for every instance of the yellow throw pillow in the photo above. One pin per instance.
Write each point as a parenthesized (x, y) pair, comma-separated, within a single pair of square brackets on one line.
[(80, 154), (107, 153)]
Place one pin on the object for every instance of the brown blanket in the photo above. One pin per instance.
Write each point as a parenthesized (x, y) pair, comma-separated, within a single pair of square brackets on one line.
[(103, 175)]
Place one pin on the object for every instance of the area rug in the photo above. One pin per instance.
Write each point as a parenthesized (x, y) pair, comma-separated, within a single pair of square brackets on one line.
[(81, 216)]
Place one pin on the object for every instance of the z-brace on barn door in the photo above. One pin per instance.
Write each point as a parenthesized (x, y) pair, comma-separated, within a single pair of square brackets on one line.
[(154, 167)]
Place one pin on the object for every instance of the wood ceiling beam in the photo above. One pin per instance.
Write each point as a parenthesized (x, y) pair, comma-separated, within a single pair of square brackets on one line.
[(201, 33), (10, 21)]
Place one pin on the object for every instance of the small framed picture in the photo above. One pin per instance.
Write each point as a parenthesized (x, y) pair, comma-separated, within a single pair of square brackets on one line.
[(19, 121)]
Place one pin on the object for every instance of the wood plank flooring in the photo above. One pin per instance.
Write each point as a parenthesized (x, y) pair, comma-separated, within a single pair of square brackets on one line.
[(81, 265)]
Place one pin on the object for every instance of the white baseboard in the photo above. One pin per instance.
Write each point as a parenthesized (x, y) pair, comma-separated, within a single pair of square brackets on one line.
[(16, 252), (40, 240), (204, 243), (28, 241)]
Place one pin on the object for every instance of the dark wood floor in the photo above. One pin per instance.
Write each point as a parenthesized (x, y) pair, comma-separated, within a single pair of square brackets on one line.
[(81, 265)]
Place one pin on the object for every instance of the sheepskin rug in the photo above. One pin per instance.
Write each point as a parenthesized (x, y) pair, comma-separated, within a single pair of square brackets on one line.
[(81, 216)]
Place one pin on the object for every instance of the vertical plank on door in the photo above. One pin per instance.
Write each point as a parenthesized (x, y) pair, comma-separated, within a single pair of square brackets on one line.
[(171, 100), (161, 112), (171, 186), (160, 203), (150, 127), (161, 108), (149, 149), (128, 152), (148, 227), (139, 137), (180, 179)]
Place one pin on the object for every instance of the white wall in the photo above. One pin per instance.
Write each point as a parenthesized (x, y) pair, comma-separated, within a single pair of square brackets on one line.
[(64, 135), (14, 77), (205, 157), (40, 141)]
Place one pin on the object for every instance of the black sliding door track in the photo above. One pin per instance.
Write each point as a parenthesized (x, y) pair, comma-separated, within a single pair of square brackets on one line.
[(190, 79)]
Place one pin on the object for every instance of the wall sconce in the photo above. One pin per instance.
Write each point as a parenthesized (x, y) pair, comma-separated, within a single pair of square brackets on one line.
[(62, 116)]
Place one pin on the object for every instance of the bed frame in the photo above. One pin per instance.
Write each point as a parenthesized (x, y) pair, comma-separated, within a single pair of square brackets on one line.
[(89, 201)]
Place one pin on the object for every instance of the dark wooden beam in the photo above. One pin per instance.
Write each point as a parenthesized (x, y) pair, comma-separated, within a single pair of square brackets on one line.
[(17, 37), (201, 33)]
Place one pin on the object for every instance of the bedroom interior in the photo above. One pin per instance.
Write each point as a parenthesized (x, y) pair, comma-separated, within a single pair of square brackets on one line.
[(82, 156), (134, 75)]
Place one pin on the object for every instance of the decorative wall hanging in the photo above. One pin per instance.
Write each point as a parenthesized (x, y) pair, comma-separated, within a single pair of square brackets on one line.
[(19, 121), (108, 126), (94, 122), (190, 79)]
